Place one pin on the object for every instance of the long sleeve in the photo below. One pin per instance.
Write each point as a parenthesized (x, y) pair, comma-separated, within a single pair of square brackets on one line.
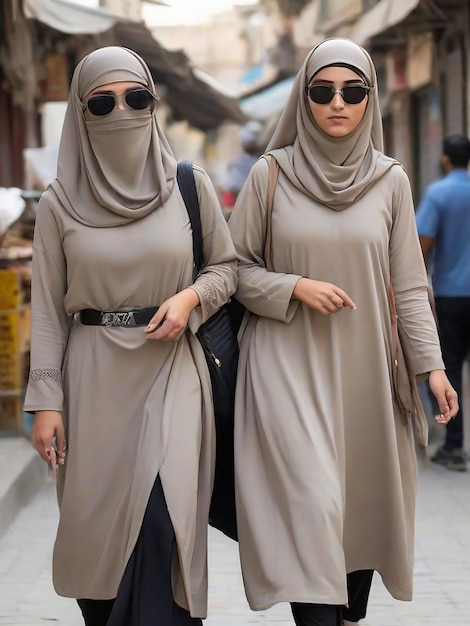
[(217, 281), (49, 322), (408, 274), (263, 292)]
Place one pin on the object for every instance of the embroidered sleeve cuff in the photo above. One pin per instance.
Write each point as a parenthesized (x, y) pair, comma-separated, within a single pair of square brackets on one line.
[(44, 391), (209, 298)]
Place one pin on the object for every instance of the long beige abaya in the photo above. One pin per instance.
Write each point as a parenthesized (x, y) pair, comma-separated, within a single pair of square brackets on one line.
[(112, 237), (325, 462)]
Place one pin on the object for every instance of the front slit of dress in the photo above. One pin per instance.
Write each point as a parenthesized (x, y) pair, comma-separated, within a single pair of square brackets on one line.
[(145, 595)]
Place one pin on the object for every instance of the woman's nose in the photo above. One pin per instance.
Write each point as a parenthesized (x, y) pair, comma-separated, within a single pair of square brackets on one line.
[(120, 102), (337, 101)]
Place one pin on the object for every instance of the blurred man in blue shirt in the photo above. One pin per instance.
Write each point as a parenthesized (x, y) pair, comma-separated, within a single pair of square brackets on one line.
[(443, 220)]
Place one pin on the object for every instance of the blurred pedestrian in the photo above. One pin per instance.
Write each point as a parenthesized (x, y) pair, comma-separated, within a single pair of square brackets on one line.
[(249, 138), (443, 219), (325, 458), (118, 378)]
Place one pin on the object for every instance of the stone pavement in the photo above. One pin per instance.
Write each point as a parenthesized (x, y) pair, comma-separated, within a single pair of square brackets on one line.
[(21, 474), (442, 572)]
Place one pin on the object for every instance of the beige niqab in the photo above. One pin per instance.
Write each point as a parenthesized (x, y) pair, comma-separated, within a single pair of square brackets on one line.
[(335, 171), (125, 168)]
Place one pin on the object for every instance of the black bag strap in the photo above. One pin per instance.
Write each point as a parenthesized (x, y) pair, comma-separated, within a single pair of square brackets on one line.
[(187, 185)]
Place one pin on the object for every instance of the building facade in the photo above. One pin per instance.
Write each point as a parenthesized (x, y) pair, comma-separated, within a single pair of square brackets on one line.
[(39, 48)]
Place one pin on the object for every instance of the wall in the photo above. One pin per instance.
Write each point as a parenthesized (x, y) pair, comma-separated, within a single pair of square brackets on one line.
[(126, 8), (227, 47)]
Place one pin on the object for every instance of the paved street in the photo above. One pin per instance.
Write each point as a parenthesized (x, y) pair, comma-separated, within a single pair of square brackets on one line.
[(442, 572)]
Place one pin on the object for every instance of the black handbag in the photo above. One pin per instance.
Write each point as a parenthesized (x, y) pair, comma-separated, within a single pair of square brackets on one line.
[(218, 338)]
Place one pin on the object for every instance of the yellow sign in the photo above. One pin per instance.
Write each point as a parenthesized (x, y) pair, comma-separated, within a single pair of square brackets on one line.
[(10, 295)]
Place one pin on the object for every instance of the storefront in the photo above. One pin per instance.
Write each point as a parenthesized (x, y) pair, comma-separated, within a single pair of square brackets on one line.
[(426, 109), (454, 81), (426, 137), (395, 105)]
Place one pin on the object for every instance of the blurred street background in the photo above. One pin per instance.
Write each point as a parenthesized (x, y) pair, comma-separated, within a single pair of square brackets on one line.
[(217, 65), (220, 63)]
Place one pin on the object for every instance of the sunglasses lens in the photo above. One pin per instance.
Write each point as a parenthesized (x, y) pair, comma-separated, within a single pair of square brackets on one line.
[(139, 99), (320, 94), (354, 94), (100, 105)]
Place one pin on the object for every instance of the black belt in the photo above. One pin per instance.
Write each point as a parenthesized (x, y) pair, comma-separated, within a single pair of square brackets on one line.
[(139, 317)]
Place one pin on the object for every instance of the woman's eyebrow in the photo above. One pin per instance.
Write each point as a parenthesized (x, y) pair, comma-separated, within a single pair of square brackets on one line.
[(332, 82), (110, 92), (103, 92)]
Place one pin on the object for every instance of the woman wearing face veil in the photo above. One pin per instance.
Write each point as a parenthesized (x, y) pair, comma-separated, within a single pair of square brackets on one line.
[(325, 460), (117, 374)]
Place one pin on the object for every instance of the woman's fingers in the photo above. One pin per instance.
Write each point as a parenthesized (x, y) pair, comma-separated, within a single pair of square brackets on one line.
[(448, 407), (167, 331), (53, 460), (324, 297), (442, 419), (43, 441), (168, 328), (157, 320), (61, 444), (451, 406), (445, 395), (172, 316), (43, 450), (346, 300), (48, 436), (336, 300)]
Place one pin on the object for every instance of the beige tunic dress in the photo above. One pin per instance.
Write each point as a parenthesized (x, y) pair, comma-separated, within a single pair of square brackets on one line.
[(325, 463), (133, 408)]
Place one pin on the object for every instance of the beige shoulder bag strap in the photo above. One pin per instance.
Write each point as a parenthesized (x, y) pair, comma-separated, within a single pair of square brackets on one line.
[(273, 173)]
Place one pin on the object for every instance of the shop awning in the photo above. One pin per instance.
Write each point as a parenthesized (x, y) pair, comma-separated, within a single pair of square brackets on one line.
[(385, 14), (69, 17), (189, 96), (268, 102)]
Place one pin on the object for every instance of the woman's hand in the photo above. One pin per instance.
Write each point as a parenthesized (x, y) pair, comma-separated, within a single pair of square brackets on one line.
[(323, 297), (445, 395), (172, 316), (48, 424)]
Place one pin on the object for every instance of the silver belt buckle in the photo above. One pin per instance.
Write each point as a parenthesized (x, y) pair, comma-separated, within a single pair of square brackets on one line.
[(117, 318)]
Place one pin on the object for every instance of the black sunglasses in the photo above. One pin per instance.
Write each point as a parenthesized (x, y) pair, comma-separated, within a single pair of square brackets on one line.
[(351, 94), (102, 104)]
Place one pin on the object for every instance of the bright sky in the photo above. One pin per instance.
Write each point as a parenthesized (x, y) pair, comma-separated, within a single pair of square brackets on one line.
[(180, 11), (186, 11)]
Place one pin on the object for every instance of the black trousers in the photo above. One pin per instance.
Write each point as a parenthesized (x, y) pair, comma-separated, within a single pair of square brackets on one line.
[(145, 595), (453, 316), (359, 584)]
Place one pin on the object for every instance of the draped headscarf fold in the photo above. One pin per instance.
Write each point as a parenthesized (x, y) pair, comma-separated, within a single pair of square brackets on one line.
[(335, 171), (119, 167)]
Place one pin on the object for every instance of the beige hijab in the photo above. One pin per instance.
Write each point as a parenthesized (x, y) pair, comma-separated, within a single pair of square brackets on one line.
[(335, 171), (117, 168)]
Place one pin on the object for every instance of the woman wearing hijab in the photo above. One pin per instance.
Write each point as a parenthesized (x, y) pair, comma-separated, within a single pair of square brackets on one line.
[(325, 461), (118, 376)]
